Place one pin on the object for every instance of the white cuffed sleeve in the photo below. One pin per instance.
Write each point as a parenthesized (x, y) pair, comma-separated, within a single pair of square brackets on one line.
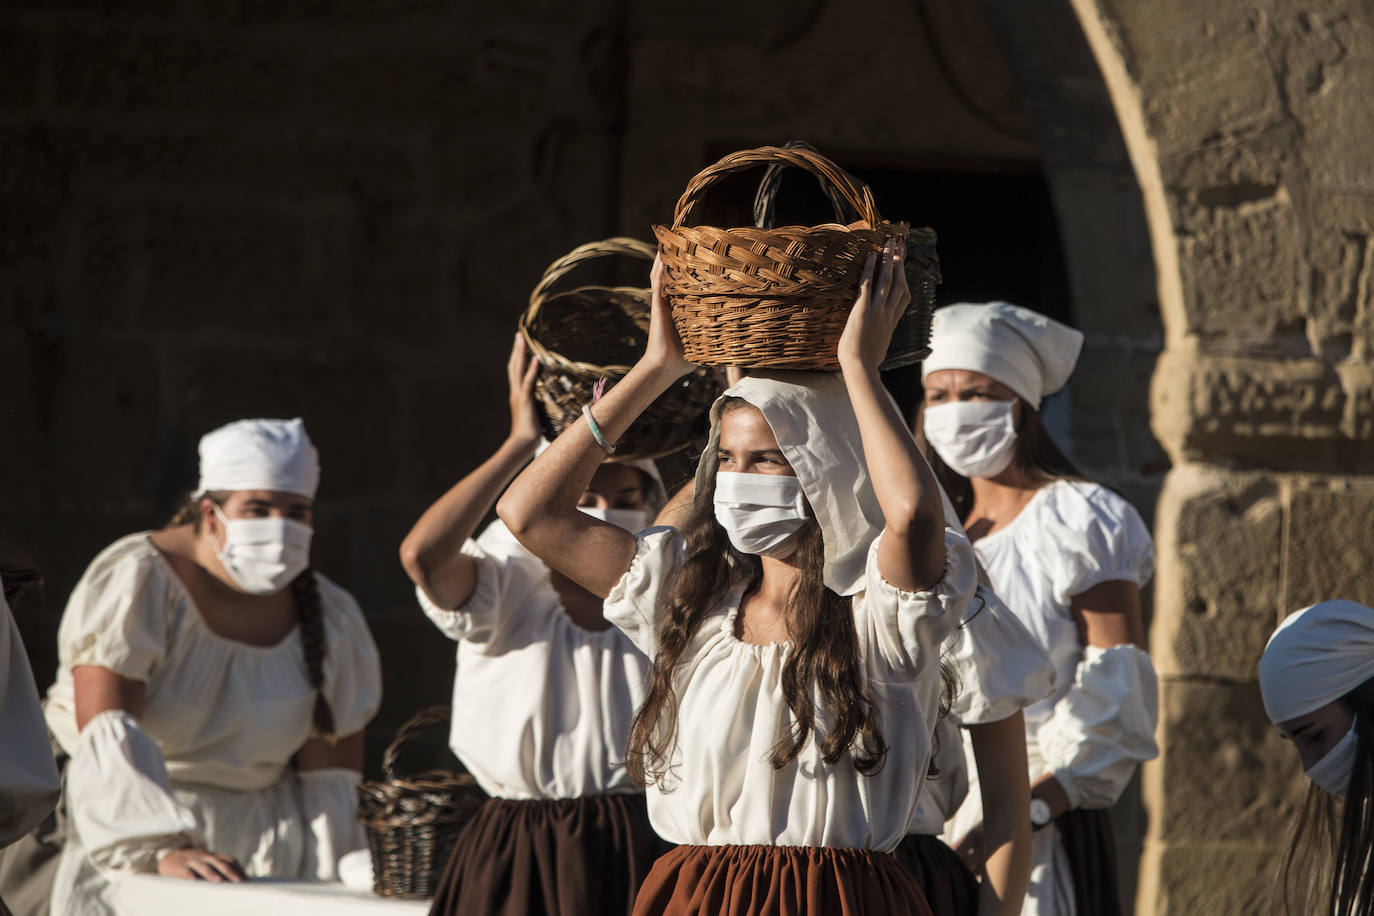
[(116, 616), (120, 799), (352, 664), (634, 602), (1104, 726), (1100, 538), (1000, 665), (28, 776), (901, 627), (507, 574), (329, 801)]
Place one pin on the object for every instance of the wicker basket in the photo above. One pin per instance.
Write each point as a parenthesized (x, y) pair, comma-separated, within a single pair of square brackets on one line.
[(778, 297), (583, 335), (413, 821), (911, 338)]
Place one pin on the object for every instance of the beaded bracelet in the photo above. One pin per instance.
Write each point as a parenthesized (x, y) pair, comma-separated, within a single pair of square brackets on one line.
[(596, 430)]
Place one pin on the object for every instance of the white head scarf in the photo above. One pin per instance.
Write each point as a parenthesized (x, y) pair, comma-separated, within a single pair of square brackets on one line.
[(259, 455), (1029, 353), (655, 498), (1317, 655), (814, 422)]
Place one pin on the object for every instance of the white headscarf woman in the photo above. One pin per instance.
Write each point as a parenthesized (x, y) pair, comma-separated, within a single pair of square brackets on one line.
[(1069, 558), (1317, 680), (212, 688)]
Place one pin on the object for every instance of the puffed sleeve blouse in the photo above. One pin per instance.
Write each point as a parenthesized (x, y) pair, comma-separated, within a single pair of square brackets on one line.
[(225, 714), (722, 788), (541, 706)]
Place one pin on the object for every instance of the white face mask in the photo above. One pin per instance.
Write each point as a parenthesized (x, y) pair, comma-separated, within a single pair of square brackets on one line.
[(760, 512), (632, 520), (975, 438), (263, 555), (1332, 772)]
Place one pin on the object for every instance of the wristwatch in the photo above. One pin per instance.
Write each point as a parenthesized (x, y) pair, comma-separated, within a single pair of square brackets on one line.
[(1040, 813)]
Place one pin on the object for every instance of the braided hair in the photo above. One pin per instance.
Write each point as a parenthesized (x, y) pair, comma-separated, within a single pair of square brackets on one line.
[(305, 593)]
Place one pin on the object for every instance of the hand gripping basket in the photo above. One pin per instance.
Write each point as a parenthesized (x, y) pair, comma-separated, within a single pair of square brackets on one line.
[(911, 338), (413, 821), (776, 297), (588, 333)]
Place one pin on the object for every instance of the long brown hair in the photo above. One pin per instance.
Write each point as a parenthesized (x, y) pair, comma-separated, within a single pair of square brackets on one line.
[(305, 594), (823, 665), (1322, 862), (1036, 453)]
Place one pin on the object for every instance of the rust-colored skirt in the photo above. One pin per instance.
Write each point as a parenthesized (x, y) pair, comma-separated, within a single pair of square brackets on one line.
[(779, 881), (1090, 850), (949, 885), (561, 857)]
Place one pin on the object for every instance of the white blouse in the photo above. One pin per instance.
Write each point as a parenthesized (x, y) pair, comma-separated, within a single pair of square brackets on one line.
[(541, 706), (722, 788), (1098, 724), (225, 714), (28, 775), (1071, 536)]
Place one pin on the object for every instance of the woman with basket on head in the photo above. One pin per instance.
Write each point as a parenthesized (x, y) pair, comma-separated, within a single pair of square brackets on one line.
[(1069, 557), (213, 688), (1317, 680), (545, 687), (793, 623)]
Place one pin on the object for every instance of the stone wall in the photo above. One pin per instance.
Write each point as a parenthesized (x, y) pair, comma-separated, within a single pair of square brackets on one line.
[(231, 208), (1249, 125)]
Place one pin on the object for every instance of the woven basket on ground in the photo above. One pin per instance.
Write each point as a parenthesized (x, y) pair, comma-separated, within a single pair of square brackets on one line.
[(911, 338), (776, 297), (413, 821), (589, 333)]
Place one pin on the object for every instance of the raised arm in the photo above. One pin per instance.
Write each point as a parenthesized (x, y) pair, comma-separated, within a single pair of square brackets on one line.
[(911, 555), (432, 552), (540, 508)]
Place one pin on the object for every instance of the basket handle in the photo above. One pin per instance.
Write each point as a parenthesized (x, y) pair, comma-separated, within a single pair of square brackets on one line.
[(588, 252), (765, 201), (853, 191), (425, 718)]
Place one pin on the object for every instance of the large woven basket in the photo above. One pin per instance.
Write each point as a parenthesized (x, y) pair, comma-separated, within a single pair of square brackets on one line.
[(413, 821), (589, 333), (777, 297), (911, 338)]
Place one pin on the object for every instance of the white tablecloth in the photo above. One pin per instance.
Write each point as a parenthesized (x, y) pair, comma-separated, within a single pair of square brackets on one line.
[(151, 895)]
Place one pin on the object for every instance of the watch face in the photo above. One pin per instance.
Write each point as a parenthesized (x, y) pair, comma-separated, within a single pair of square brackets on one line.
[(1040, 813)]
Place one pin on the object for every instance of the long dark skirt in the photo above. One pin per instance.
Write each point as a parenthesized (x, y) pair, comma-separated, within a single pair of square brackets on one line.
[(950, 887), (561, 857), (1086, 836), (779, 881)]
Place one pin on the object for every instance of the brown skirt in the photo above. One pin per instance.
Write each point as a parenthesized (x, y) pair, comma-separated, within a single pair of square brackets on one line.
[(949, 885), (779, 881), (561, 857), (1086, 836)]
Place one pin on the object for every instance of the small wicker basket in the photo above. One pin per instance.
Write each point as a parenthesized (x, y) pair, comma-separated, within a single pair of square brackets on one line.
[(583, 335), (778, 297), (413, 821), (911, 338)]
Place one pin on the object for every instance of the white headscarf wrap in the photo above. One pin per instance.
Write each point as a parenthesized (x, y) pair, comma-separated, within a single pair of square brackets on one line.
[(657, 495), (1029, 353), (259, 455), (814, 422), (1316, 656)]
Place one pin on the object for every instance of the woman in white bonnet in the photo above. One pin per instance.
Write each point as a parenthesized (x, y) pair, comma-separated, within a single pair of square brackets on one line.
[(212, 688), (1317, 680), (1066, 555), (543, 696)]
